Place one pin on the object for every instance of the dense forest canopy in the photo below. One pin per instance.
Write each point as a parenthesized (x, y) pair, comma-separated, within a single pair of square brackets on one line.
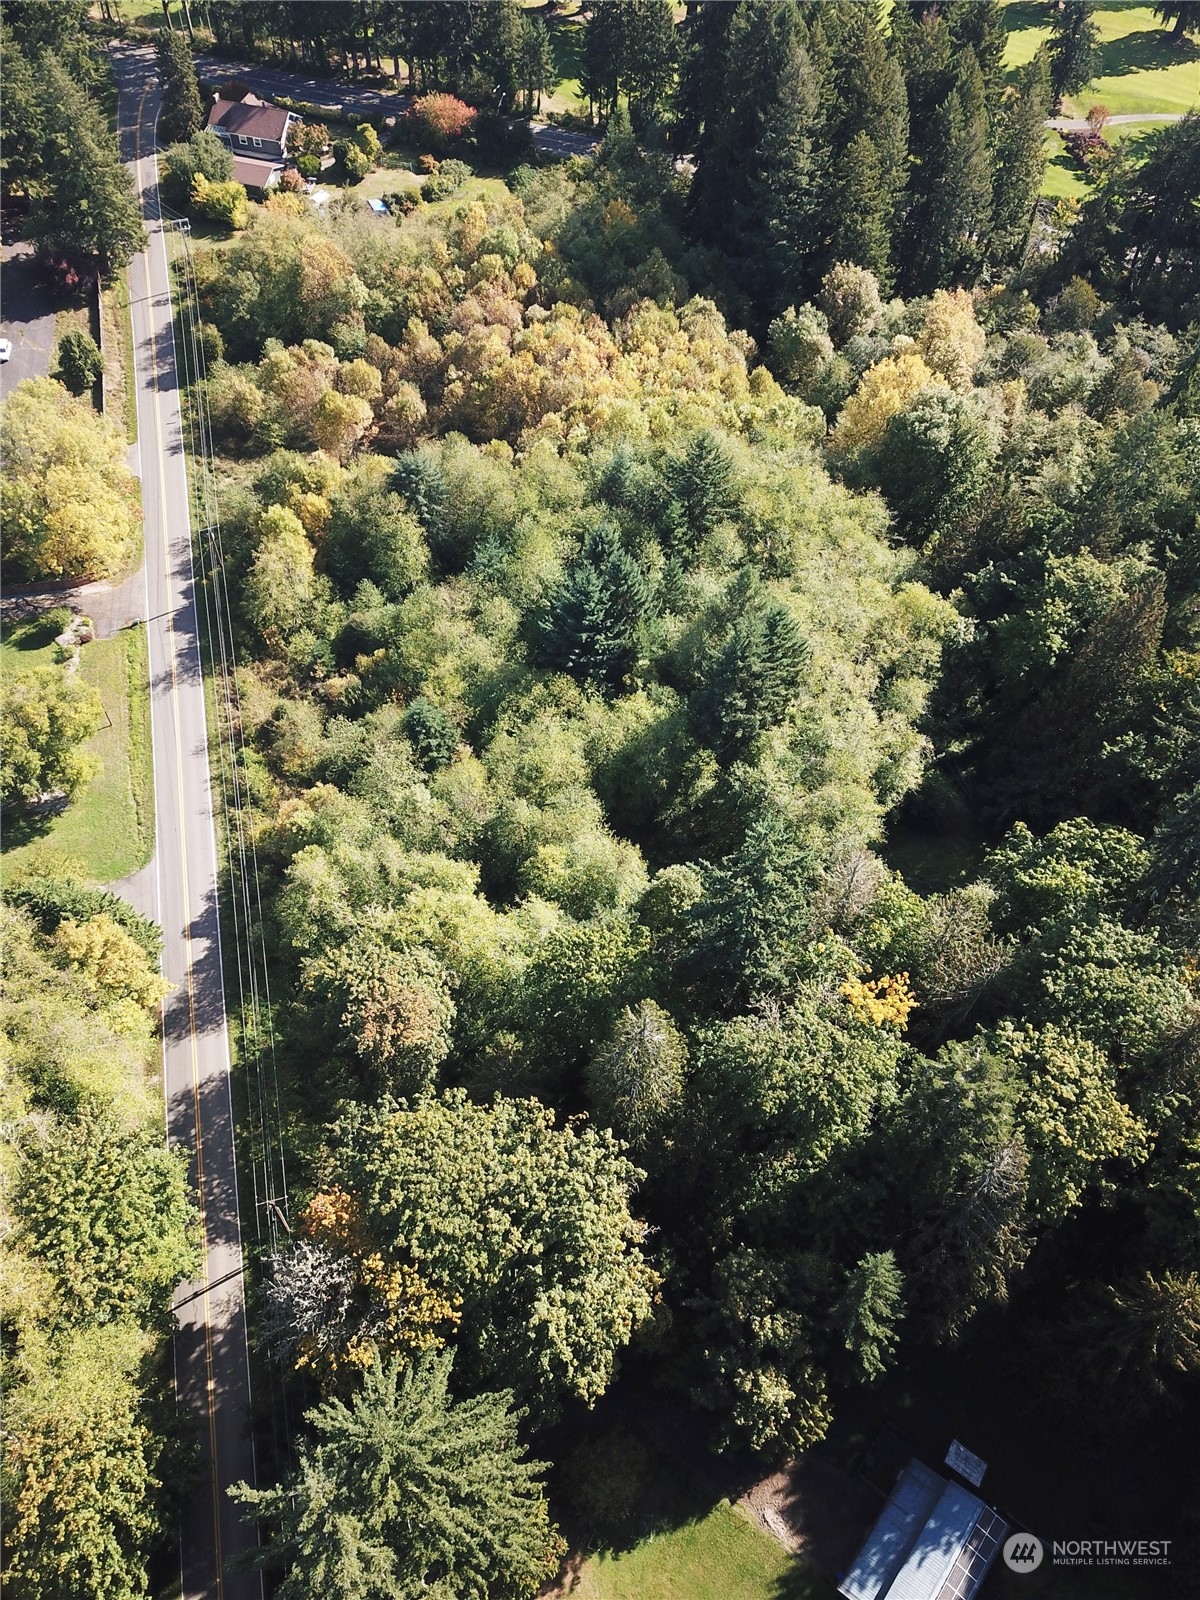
[(628, 564)]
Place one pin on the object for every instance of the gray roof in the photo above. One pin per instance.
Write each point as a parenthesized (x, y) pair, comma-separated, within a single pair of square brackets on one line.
[(889, 1541), (251, 118), (933, 1540)]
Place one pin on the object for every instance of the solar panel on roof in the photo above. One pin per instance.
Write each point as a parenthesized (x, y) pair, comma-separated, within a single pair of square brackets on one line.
[(937, 1546), (975, 1557)]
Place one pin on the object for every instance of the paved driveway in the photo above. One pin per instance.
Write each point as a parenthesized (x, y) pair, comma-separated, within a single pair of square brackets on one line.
[(26, 316), (273, 81)]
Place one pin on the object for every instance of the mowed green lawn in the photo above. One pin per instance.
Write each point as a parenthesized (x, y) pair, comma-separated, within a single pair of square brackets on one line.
[(719, 1557), (1141, 67), (109, 826)]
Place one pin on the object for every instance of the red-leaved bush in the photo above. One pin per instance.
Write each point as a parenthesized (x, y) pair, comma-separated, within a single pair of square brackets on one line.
[(435, 121)]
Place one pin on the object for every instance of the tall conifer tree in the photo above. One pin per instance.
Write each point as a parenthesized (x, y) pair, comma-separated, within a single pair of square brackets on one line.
[(1074, 48), (86, 209), (1020, 160), (957, 216), (182, 110), (408, 1492)]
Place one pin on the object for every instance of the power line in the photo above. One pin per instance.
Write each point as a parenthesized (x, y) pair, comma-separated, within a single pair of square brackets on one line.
[(268, 1153), (245, 875)]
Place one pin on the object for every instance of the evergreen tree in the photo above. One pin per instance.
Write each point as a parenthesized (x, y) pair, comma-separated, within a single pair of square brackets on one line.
[(867, 1311), (1184, 14), (978, 25), (955, 220), (751, 926), (756, 191), (1074, 48), (1020, 149), (702, 483), (182, 109), (600, 74), (636, 1080), (87, 209), (24, 119), (786, 186), (650, 60), (590, 626), (753, 681), (411, 1494), (433, 736), (629, 48), (704, 52), (536, 67), (870, 106), (863, 210), (1144, 1337)]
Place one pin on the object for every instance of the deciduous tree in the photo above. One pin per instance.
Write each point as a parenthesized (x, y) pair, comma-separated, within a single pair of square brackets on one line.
[(528, 1223), (69, 500), (46, 717)]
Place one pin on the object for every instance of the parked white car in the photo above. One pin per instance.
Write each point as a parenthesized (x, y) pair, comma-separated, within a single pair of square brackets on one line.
[(5, 349)]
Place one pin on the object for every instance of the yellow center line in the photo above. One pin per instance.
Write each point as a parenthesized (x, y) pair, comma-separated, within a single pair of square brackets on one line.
[(210, 1387)]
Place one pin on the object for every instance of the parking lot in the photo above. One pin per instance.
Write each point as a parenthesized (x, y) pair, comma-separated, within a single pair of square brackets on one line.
[(26, 317)]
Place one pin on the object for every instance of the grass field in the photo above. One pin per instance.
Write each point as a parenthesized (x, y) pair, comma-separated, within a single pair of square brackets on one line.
[(719, 1557), (120, 394), (1063, 180), (109, 827), (566, 40), (1141, 67), (26, 645)]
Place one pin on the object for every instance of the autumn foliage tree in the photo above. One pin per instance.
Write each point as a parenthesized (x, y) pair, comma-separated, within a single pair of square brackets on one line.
[(436, 121), (69, 500)]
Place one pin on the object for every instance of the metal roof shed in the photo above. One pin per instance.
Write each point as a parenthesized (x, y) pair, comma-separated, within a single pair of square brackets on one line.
[(933, 1541), (885, 1548)]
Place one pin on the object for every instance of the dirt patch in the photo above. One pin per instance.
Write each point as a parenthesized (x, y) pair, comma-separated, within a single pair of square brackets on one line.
[(568, 1581), (814, 1508)]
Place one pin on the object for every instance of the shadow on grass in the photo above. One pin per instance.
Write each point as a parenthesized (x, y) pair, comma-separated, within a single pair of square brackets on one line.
[(38, 633), (24, 827), (566, 42), (623, 1491), (1148, 51), (800, 1582), (1019, 17)]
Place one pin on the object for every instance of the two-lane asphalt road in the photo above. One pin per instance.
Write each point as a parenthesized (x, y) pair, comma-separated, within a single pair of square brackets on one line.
[(274, 81), (211, 1352)]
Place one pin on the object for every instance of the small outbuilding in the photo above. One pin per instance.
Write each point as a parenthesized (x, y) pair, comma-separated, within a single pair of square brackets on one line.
[(933, 1540), (256, 177)]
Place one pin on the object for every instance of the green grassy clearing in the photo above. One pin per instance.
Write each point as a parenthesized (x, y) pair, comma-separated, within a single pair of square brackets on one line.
[(1141, 67), (26, 645), (720, 1556), (109, 827), (566, 40), (1063, 179), (386, 180)]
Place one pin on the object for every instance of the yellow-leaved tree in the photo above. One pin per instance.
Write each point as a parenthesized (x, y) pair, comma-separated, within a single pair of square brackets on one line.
[(884, 390), (68, 501), (952, 341)]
